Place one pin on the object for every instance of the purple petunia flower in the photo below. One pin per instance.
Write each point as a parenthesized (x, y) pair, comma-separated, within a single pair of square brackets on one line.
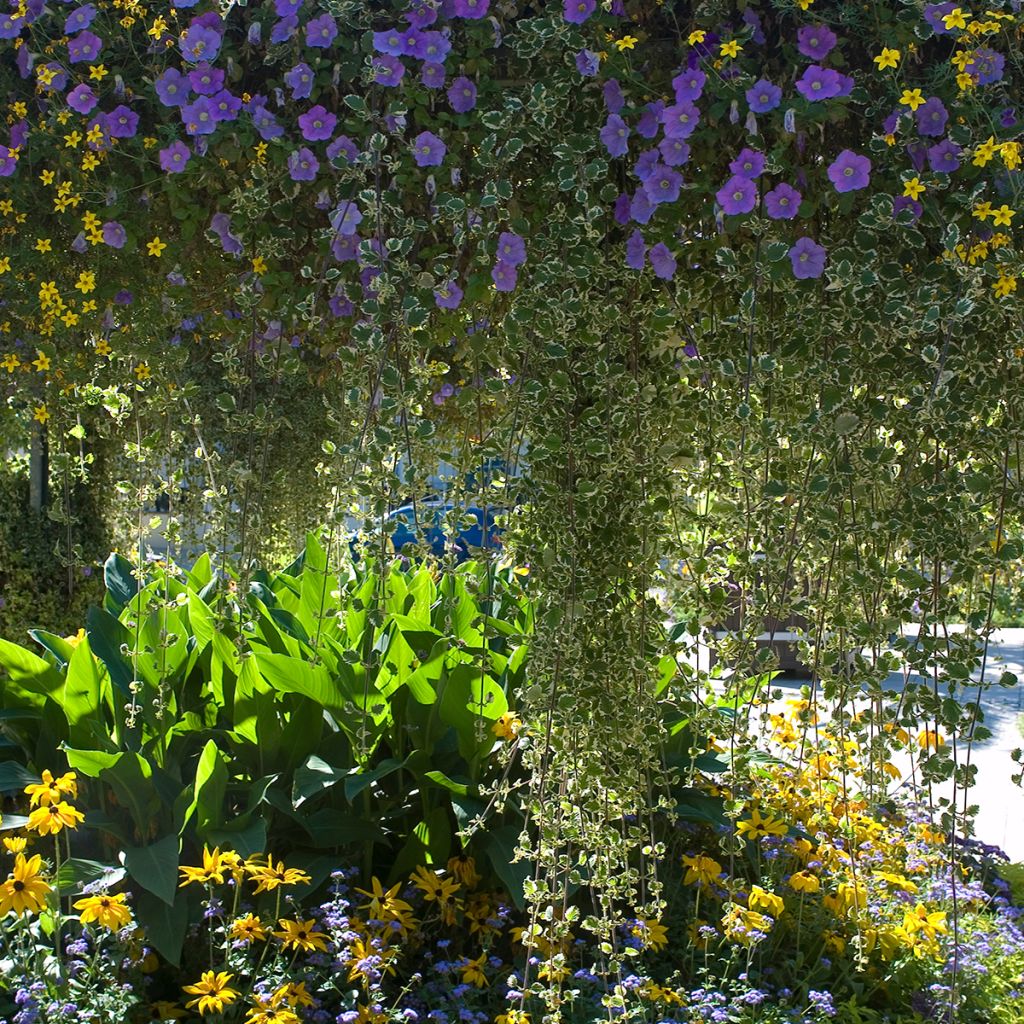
[(782, 202), (114, 234), (432, 75), (82, 99), (986, 65), (850, 172), (428, 150), (504, 276), (300, 80), (749, 164), (472, 9), (650, 119), (317, 124), (206, 80), (462, 95), (321, 32), (944, 157), (674, 152), (578, 11), (737, 195), (122, 122), (79, 19), (387, 70), (346, 218), (620, 209), (421, 13), (689, 84), (173, 89), (391, 41), (200, 117), (663, 263), (85, 46), (286, 8), (511, 248), (763, 96), (434, 47), (918, 153), (448, 296), (340, 306), (220, 225), (303, 164), (10, 27), (663, 185), (283, 29), (636, 250), (174, 158), (8, 163), (807, 258), (614, 101), (680, 120), (615, 136), (931, 117), (200, 43), (1008, 118), (818, 83), (901, 203), (646, 164), (641, 209), (587, 63), (815, 41), (226, 105), (343, 146)]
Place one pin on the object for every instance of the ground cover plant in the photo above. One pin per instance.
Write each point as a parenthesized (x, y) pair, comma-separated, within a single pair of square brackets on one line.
[(724, 286)]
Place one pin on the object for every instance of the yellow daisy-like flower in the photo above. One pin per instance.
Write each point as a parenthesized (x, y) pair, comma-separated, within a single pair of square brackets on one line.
[(730, 49), (212, 870), (154, 247), (269, 876), (51, 790), (704, 870), (913, 188), (43, 245), (248, 929), (698, 35), (473, 972), (15, 844), (626, 43), (804, 882), (652, 933), (302, 935), (24, 892), (41, 414), (911, 98), (1003, 216), (888, 58), (955, 19), (53, 818), (109, 911), (508, 726), (259, 265), (212, 992), (758, 825), (762, 898)]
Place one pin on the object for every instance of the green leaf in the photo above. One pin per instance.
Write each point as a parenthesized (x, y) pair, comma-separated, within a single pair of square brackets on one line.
[(15, 777), (155, 867), (165, 924), (500, 846), (76, 873), (119, 576)]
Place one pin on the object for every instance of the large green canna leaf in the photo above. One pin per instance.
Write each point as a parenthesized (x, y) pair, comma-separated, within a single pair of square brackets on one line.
[(83, 701), (31, 679), (155, 867)]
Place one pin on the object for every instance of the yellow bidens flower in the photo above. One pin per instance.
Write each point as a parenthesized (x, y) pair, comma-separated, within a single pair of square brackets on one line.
[(913, 188), (626, 43), (51, 790), (507, 727), (912, 98), (302, 935), (24, 892), (109, 911), (212, 992), (887, 58), (43, 245), (955, 19), (1003, 216), (984, 152), (1006, 285), (698, 35), (86, 282), (154, 247), (53, 818), (40, 414), (730, 49), (259, 265)]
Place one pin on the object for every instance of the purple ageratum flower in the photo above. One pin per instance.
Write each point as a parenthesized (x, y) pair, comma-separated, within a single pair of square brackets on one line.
[(84, 47), (674, 152), (474, 10), (749, 164), (82, 99), (462, 95), (615, 136), (343, 146), (220, 225), (302, 165), (689, 84), (782, 202), (174, 158), (807, 258), (206, 80), (663, 263), (321, 32), (815, 41), (934, 13), (944, 157), (387, 70), (680, 120), (578, 11), (122, 122), (317, 124), (587, 63), (114, 234), (636, 250), (432, 75), (818, 83), (986, 65), (504, 276), (738, 195), (173, 89), (300, 80), (200, 43), (850, 172), (448, 295), (614, 101), (428, 150), (79, 19), (200, 117), (511, 249), (901, 203), (763, 96), (931, 117), (663, 185)]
